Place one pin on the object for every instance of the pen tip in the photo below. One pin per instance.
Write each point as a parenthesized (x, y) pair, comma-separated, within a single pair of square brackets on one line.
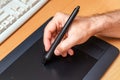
[(44, 61)]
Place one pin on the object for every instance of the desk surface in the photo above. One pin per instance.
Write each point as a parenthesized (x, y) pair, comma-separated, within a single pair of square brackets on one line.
[(88, 7)]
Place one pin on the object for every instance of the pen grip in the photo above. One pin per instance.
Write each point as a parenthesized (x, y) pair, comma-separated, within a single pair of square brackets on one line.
[(62, 33)]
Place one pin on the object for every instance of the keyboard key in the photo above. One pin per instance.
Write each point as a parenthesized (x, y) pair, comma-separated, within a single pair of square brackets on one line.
[(5, 24), (1, 29), (33, 2), (11, 19), (22, 10), (3, 3), (3, 17), (24, 1), (15, 7), (1, 12)]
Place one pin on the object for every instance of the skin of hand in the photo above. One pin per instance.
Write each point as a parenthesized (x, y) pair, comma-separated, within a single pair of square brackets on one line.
[(81, 29), (79, 32)]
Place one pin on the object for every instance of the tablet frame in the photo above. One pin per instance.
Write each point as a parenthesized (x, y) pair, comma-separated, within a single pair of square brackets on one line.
[(95, 72)]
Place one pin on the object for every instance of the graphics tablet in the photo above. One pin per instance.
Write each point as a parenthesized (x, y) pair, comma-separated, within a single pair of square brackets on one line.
[(90, 61)]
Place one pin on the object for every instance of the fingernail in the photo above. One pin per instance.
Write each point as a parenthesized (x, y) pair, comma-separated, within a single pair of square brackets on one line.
[(46, 49), (57, 52)]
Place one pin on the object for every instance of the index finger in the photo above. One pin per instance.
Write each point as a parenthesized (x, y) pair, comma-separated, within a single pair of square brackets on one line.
[(49, 30), (54, 26)]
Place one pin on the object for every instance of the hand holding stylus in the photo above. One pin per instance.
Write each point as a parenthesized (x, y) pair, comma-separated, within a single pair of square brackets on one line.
[(61, 34), (79, 31)]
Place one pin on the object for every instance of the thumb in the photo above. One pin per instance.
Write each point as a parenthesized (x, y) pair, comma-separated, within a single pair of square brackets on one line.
[(64, 46)]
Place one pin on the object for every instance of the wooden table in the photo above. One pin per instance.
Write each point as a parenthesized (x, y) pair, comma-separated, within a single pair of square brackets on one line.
[(88, 7)]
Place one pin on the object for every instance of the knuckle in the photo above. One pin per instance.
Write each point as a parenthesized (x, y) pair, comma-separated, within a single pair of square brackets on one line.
[(61, 49), (58, 13)]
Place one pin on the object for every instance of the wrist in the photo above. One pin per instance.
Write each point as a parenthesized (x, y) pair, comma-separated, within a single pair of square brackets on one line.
[(100, 23)]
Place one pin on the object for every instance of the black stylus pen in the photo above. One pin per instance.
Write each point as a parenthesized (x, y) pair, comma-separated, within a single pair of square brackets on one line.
[(61, 34)]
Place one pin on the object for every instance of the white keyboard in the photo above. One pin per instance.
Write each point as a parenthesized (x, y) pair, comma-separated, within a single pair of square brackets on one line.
[(13, 13)]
